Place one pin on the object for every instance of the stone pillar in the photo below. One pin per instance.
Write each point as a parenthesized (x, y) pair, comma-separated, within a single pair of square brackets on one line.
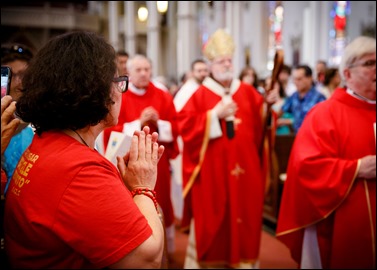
[(324, 30), (129, 26), (113, 24), (219, 14), (187, 35), (169, 37), (313, 20), (316, 24), (307, 43), (234, 17), (256, 36), (153, 37)]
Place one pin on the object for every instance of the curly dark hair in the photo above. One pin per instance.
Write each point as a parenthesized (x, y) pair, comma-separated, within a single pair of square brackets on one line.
[(68, 83)]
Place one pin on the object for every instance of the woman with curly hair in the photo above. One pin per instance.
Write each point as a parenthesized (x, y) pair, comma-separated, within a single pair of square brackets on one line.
[(67, 205)]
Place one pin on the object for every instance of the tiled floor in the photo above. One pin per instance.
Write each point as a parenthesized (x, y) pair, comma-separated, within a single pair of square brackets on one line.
[(273, 253)]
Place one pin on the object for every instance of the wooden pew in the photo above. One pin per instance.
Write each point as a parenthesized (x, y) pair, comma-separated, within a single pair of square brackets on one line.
[(283, 145)]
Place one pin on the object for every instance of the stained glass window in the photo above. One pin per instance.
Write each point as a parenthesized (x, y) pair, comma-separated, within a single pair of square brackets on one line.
[(276, 16), (338, 34)]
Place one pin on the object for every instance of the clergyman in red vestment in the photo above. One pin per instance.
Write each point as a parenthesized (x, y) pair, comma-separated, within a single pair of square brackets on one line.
[(223, 183), (327, 215)]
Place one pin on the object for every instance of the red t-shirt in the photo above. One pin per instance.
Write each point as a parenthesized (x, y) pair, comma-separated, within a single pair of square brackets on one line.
[(67, 207)]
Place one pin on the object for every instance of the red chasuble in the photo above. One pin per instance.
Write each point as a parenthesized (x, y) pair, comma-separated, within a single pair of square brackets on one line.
[(131, 108), (322, 188), (222, 178)]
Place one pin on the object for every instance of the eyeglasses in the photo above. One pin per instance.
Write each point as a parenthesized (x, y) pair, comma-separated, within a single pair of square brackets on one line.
[(368, 64), (122, 83), (16, 49)]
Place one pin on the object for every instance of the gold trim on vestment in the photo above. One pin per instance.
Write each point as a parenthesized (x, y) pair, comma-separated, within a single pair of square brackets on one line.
[(203, 150), (325, 216)]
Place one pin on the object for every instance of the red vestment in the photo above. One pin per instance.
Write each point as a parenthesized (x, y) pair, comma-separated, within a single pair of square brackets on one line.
[(162, 102), (222, 178), (322, 188)]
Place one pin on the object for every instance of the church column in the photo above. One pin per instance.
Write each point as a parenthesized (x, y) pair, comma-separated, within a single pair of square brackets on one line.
[(153, 37), (229, 15), (187, 35), (320, 12), (307, 44), (324, 30), (256, 35), (313, 39), (170, 45), (129, 26), (219, 15), (234, 26), (315, 8), (113, 24)]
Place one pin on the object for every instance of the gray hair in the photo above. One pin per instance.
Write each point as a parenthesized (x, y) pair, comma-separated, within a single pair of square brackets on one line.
[(359, 47), (137, 57)]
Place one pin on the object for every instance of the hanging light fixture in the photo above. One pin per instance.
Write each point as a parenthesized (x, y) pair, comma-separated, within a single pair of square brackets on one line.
[(142, 14), (162, 6)]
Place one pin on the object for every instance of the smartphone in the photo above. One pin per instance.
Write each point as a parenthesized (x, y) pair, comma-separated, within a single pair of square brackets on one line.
[(6, 76)]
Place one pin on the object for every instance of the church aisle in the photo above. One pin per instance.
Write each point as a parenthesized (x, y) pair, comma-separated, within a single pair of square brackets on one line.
[(273, 253)]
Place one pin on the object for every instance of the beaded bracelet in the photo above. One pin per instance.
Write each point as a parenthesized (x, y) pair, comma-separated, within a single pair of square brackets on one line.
[(147, 192)]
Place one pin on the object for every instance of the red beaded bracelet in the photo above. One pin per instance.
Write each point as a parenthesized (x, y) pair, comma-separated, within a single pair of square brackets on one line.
[(147, 192)]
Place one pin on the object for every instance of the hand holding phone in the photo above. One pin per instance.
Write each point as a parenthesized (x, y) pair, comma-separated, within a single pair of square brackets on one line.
[(6, 77)]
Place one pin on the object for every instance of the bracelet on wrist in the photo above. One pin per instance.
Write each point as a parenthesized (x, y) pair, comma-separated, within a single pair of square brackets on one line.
[(147, 192)]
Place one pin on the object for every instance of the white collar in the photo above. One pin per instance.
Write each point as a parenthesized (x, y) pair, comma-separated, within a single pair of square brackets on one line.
[(218, 89), (136, 91), (356, 95)]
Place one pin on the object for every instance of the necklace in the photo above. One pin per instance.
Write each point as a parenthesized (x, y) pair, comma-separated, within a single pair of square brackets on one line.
[(80, 137)]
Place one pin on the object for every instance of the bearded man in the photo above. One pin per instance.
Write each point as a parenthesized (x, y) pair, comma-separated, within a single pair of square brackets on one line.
[(223, 185)]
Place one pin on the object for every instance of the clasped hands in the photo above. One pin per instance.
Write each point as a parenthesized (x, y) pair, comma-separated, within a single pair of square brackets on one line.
[(138, 167), (225, 110), (149, 114)]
